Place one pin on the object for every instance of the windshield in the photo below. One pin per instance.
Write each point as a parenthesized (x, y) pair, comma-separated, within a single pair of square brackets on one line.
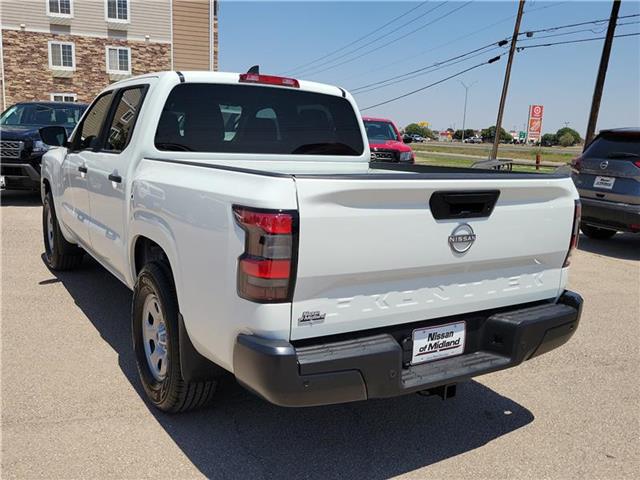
[(256, 119), (42, 114), (380, 131)]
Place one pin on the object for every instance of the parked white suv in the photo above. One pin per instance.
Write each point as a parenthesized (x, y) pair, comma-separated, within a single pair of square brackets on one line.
[(243, 212)]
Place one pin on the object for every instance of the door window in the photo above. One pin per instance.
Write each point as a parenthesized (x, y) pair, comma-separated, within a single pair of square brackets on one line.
[(123, 120), (88, 133)]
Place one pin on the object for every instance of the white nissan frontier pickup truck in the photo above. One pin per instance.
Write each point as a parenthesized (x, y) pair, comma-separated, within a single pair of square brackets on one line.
[(258, 239)]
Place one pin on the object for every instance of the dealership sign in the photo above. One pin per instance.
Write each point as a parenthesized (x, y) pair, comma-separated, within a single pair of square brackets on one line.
[(534, 124)]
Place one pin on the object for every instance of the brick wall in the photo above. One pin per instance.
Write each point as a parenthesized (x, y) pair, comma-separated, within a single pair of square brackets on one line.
[(27, 73), (215, 43)]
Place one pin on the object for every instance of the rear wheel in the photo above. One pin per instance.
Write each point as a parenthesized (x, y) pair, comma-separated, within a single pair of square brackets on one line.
[(59, 254), (156, 344), (596, 232)]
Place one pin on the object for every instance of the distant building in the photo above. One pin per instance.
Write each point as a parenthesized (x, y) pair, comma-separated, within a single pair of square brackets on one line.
[(445, 136), (69, 50)]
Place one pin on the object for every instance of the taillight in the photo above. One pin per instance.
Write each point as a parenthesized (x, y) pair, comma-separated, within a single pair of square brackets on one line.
[(269, 80), (576, 163), (266, 269), (575, 232), (637, 163)]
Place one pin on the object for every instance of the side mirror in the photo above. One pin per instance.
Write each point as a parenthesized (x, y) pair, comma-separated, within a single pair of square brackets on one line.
[(54, 135), (407, 139)]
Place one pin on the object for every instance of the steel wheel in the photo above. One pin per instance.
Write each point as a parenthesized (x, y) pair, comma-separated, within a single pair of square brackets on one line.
[(49, 232), (154, 336)]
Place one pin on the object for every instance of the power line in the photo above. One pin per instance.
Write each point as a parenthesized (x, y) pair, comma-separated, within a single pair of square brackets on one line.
[(425, 68), (601, 20), (359, 39), (433, 69), (423, 14), (492, 60), (395, 40), (443, 63), (388, 65), (582, 40), (582, 30)]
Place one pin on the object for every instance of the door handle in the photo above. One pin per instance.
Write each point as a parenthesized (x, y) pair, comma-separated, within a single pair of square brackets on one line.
[(82, 169), (115, 178)]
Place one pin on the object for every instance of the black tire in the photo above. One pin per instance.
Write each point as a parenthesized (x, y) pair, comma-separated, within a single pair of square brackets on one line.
[(58, 253), (168, 392), (597, 233)]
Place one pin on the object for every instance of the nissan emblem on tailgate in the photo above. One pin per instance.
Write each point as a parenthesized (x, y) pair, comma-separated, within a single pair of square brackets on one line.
[(462, 238)]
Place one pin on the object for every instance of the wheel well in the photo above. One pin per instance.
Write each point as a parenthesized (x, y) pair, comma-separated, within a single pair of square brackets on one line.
[(45, 190), (145, 251), (193, 366)]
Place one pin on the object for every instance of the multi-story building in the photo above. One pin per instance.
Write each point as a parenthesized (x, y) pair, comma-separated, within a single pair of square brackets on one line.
[(66, 50)]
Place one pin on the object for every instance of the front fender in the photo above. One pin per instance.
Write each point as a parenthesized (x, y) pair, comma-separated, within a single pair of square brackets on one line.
[(51, 173)]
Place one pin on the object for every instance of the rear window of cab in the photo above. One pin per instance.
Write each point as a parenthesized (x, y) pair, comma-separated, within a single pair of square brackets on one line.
[(257, 119), (615, 145)]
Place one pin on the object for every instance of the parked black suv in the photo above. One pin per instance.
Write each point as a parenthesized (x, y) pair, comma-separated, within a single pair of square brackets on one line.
[(21, 147), (608, 180)]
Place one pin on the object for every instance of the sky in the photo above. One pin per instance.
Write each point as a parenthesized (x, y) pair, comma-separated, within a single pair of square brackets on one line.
[(292, 37)]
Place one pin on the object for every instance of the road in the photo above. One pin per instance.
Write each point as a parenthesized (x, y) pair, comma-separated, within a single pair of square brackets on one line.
[(72, 406)]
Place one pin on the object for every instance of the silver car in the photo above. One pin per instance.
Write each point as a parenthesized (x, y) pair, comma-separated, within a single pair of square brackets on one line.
[(608, 180)]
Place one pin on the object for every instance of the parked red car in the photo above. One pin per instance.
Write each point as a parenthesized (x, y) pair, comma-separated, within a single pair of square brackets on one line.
[(385, 141)]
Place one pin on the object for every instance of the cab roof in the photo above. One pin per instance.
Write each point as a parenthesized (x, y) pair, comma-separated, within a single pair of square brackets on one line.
[(377, 119), (197, 76)]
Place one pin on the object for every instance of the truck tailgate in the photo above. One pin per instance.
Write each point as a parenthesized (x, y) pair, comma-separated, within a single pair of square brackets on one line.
[(371, 253)]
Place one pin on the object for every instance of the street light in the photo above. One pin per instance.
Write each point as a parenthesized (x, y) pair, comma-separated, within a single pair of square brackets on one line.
[(466, 94)]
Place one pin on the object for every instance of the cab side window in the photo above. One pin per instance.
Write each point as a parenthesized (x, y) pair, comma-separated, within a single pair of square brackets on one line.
[(88, 133), (124, 118)]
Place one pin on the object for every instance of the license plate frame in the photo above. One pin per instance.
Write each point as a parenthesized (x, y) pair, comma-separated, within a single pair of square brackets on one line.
[(605, 183), (426, 350)]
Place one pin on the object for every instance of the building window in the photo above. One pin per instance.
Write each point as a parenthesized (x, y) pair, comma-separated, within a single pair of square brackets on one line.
[(117, 10), (118, 60), (64, 97), (62, 56), (59, 8)]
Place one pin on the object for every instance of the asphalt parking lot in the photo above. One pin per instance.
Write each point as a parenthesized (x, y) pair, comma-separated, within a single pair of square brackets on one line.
[(72, 406)]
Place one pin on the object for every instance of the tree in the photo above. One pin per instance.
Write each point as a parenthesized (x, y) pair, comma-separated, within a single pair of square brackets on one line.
[(567, 140), (468, 133), (549, 139), (488, 134), (415, 129), (570, 131)]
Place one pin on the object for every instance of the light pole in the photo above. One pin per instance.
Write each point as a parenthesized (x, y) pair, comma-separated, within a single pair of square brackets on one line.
[(466, 94)]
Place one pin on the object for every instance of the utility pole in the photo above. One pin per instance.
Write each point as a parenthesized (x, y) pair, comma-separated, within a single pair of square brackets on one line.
[(464, 115), (505, 85), (602, 73)]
